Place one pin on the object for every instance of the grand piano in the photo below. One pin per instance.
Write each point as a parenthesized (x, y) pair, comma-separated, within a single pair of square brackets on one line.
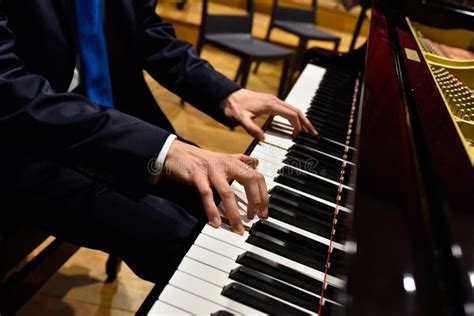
[(375, 216)]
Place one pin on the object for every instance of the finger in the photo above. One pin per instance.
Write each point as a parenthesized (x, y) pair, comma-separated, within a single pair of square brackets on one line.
[(307, 124), (264, 198), (254, 199), (207, 198), (290, 114), (251, 161), (252, 128), (227, 195), (249, 178)]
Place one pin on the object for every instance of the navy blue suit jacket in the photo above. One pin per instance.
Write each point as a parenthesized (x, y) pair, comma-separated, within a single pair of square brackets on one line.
[(39, 119)]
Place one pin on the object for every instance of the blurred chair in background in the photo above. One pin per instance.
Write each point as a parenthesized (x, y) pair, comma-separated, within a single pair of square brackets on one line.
[(232, 33), (299, 22)]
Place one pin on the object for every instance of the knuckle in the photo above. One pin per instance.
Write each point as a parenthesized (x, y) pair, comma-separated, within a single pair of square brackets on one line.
[(255, 176), (205, 191), (227, 193)]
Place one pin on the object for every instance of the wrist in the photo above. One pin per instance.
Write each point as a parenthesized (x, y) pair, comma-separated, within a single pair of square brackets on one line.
[(228, 106)]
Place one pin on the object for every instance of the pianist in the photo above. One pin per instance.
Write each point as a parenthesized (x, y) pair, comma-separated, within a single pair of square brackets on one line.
[(79, 152)]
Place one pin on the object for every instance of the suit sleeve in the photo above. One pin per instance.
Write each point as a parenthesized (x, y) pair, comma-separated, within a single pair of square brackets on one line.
[(176, 65), (39, 123)]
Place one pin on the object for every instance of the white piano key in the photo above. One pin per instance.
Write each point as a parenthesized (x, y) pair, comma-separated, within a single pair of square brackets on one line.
[(161, 308), (214, 259), (278, 139), (237, 245), (205, 273), (188, 302), (210, 292)]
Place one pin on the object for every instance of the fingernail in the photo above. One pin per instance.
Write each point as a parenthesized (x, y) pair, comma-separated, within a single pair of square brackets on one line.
[(239, 229), (255, 211), (263, 213), (216, 222)]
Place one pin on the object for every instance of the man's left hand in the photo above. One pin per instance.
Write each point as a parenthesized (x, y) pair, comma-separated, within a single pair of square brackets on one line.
[(244, 105)]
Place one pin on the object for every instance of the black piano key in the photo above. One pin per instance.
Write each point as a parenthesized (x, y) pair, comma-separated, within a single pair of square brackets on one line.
[(325, 110), (279, 247), (323, 145), (310, 214), (339, 121), (332, 98), (305, 247), (292, 215), (311, 155), (284, 273), (297, 247), (306, 205), (313, 166), (319, 164), (245, 295), (332, 309), (330, 85), (338, 135), (308, 251), (334, 125), (335, 111), (273, 287), (325, 154), (333, 101), (222, 313), (293, 240), (309, 184), (305, 222)]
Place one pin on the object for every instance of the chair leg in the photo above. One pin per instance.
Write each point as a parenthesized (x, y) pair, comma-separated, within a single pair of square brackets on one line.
[(112, 267), (336, 44), (284, 80), (255, 69), (267, 38), (245, 71), (298, 58), (239, 71)]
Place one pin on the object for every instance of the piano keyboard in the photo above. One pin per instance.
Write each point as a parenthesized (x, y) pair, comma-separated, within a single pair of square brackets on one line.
[(291, 262)]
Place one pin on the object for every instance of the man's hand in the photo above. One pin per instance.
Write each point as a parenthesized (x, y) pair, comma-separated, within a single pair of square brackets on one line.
[(205, 169), (244, 105)]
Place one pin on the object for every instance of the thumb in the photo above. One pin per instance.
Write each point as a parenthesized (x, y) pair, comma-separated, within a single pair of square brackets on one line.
[(252, 128)]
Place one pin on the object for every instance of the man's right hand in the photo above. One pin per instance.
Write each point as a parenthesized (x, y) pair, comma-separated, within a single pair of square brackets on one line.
[(205, 169)]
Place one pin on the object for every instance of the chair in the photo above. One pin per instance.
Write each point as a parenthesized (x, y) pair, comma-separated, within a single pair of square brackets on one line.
[(232, 33), (299, 22)]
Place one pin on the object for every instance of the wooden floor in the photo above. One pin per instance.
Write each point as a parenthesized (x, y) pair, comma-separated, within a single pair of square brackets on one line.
[(79, 288)]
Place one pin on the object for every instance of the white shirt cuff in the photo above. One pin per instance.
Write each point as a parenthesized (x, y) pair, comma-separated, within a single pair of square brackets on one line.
[(160, 161)]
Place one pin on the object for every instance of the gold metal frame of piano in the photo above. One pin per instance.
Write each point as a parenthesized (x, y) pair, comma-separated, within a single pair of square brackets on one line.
[(462, 69)]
